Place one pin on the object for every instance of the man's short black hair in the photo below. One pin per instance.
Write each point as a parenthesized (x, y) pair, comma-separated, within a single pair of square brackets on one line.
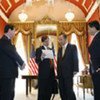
[(64, 35), (7, 27), (95, 24), (44, 37)]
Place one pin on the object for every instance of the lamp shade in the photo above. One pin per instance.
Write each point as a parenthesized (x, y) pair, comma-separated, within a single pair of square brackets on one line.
[(22, 16), (69, 16)]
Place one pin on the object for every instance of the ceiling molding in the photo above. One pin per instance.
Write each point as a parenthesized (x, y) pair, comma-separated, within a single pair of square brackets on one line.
[(3, 5), (87, 7), (16, 1), (93, 9), (3, 16)]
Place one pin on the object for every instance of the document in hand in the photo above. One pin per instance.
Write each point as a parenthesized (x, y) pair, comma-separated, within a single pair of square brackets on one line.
[(48, 53)]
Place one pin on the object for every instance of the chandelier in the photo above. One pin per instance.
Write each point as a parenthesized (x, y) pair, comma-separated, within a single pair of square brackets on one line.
[(22, 16), (69, 16)]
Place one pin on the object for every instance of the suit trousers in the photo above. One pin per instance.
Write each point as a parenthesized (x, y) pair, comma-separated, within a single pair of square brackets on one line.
[(44, 92), (66, 89), (96, 84), (7, 86)]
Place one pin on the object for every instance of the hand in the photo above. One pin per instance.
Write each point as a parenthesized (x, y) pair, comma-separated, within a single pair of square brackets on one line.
[(43, 56), (74, 73), (23, 66), (98, 70)]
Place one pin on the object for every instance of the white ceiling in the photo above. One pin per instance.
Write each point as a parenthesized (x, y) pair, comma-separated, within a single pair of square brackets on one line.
[(39, 9)]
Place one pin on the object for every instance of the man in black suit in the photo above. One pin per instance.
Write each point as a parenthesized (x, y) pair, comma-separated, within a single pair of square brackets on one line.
[(46, 78), (94, 50), (9, 62), (67, 65)]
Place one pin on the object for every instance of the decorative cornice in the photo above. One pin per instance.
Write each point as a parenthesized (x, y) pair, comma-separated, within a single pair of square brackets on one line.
[(16, 1), (88, 7), (3, 16), (9, 5), (93, 9)]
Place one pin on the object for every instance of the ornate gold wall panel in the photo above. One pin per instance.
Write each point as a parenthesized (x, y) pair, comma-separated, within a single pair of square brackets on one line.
[(78, 27)]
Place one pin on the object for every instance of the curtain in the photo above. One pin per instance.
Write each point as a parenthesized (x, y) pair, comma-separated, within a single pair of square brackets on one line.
[(79, 28), (28, 31)]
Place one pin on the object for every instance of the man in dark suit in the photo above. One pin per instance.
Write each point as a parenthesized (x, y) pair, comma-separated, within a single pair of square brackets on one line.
[(67, 65), (46, 78), (9, 62), (94, 50)]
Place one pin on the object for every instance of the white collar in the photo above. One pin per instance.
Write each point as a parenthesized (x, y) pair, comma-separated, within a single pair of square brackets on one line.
[(65, 45), (45, 47), (96, 33), (7, 36)]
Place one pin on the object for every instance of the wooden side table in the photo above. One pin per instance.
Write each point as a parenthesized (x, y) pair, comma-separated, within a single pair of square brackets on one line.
[(28, 78)]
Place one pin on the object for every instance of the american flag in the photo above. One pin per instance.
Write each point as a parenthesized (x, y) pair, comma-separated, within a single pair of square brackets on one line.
[(55, 60), (55, 65), (33, 67)]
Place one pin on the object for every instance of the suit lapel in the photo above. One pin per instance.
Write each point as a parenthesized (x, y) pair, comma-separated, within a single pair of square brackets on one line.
[(42, 48), (66, 51), (93, 42)]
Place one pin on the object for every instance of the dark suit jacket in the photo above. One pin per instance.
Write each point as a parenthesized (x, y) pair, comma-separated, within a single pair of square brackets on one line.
[(68, 63), (44, 66), (9, 59), (46, 72), (94, 50)]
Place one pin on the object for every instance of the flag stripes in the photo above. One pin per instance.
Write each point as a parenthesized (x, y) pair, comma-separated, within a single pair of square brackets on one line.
[(55, 65), (33, 67)]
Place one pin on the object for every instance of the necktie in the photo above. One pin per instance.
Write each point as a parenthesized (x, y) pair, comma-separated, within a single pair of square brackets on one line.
[(51, 60), (91, 67), (63, 51)]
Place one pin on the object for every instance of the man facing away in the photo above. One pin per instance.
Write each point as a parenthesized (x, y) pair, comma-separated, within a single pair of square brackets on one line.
[(94, 50), (9, 62), (67, 66)]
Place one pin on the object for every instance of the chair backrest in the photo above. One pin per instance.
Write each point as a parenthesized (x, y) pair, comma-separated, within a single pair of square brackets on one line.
[(85, 81)]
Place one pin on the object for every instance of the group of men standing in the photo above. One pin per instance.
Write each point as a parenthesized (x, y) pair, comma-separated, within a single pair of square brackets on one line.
[(67, 66)]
